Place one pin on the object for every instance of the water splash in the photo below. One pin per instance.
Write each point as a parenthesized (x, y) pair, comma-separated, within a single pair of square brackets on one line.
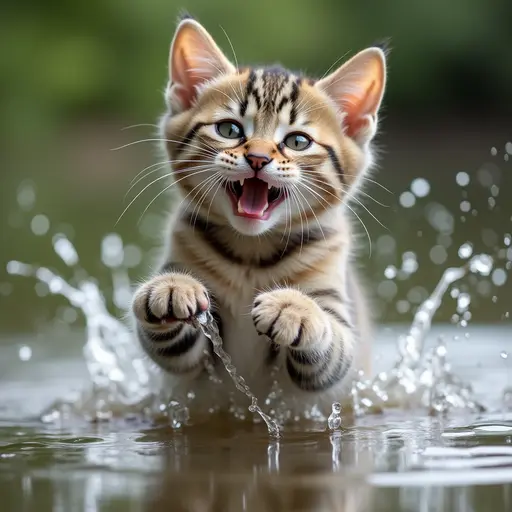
[(119, 372), (334, 419), (120, 379), (207, 324), (423, 378)]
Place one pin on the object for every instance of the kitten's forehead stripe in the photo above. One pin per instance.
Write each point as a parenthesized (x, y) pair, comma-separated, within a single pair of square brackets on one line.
[(271, 89)]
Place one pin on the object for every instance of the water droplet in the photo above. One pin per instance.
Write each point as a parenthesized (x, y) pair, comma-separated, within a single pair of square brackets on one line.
[(440, 218), (387, 289), (386, 244), (503, 354), (481, 264), (26, 196), (334, 420), (409, 262), (112, 254), (132, 256), (494, 151), (463, 302), (65, 249), (465, 206), (420, 187), (407, 199), (462, 179), (438, 254), (465, 250), (390, 272), (499, 277), (40, 225), (403, 306), (25, 353), (508, 148)]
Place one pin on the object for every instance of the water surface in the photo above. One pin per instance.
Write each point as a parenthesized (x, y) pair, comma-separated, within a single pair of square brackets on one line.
[(400, 460)]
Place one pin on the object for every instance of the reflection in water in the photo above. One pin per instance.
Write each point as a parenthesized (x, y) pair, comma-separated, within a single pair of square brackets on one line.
[(368, 466)]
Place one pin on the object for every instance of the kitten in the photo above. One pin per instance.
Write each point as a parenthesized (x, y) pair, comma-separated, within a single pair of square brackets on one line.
[(265, 162)]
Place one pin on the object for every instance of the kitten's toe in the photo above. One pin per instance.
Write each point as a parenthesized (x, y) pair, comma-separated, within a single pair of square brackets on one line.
[(288, 317), (170, 297)]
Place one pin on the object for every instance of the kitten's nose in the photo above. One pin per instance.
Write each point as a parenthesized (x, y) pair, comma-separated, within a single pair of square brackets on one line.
[(257, 161)]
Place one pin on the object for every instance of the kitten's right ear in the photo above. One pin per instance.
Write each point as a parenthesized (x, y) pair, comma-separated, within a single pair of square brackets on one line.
[(194, 60)]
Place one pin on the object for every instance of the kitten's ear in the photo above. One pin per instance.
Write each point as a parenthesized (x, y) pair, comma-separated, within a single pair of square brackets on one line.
[(357, 88), (195, 59)]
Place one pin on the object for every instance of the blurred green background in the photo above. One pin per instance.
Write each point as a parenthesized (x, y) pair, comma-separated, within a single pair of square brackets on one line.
[(74, 75)]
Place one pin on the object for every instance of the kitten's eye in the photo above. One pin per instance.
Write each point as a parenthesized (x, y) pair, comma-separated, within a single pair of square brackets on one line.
[(297, 141), (229, 130)]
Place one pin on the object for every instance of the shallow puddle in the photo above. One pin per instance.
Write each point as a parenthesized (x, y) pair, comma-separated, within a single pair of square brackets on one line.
[(400, 460)]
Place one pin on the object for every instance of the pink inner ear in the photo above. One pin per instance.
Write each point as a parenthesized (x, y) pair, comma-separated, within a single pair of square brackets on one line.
[(184, 89), (356, 109)]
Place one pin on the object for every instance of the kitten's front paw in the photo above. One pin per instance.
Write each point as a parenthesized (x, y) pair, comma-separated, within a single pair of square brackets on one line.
[(170, 297), (289, 317)]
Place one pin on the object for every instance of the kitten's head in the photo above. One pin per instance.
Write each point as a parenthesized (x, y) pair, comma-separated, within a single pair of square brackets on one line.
[(263, 148)]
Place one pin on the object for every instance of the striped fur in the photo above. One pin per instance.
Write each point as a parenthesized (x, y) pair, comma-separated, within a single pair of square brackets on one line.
[(281, 281)]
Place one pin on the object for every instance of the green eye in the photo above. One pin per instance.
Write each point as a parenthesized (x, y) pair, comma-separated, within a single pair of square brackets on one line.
[(297, 141), (229, 130)]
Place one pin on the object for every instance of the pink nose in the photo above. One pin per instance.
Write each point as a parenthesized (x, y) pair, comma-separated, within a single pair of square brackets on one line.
[(257, 161)]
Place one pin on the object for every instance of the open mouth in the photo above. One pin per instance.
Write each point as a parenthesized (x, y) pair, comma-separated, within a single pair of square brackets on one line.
[(254, 198)]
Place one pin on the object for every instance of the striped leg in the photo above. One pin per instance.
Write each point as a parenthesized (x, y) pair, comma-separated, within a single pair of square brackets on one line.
[(162, 307), (315, 330)]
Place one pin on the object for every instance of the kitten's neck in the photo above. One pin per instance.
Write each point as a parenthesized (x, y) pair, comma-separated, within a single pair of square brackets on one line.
[(268, 249)]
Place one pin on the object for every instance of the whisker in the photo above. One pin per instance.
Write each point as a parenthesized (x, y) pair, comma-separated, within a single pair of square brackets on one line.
[(212, 184), (297, 202), (350, 197), (207, 150), (347, 191), (158, 195), (200, 186), (236, 61), (221, 182), (222, 73), (312, 211), (358, 218), (139, 126), (164, 176), (309, 171), (164, 164), (334, 64)]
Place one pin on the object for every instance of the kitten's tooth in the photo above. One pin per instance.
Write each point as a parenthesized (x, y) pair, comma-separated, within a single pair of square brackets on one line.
[(266, 208), (242, 181), (240, 209), (269, 186)]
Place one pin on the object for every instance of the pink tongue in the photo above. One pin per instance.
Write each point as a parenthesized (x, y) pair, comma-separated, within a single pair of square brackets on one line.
[(254, 197)]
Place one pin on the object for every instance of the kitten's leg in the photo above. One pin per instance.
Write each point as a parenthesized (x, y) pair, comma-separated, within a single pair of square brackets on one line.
[(163, 308), (315, 330)]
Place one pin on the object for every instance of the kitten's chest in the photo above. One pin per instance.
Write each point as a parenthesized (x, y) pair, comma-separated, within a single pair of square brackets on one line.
[(248, 350)]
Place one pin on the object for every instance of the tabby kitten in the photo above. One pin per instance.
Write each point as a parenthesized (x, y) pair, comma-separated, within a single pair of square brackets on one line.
[(265, 162)]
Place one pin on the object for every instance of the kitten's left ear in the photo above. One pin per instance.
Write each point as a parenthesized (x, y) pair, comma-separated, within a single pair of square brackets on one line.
[(357, 88), (194, 59)]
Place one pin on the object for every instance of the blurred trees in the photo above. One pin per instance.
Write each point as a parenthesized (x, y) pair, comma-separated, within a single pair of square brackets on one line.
[(61, 59)]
